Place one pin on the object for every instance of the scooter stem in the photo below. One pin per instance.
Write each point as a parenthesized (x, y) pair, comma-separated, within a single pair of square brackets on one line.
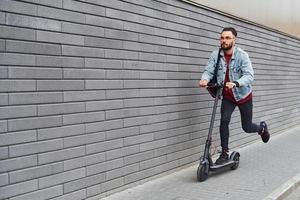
[(212, 120), (209, 138)]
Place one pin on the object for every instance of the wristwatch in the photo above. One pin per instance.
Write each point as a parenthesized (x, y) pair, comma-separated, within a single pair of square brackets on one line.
[(236, 84)]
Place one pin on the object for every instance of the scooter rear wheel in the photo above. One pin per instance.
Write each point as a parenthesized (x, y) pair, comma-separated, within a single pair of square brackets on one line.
[(235, 156), (202, 172)]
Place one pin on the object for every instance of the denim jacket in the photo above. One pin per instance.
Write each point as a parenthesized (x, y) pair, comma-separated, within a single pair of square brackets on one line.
[(240, 70)]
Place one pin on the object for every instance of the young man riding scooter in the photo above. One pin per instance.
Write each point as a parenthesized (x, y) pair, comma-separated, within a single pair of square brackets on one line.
[(236, 72)]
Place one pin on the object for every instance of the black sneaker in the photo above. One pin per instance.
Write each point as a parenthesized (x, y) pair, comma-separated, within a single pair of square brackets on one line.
[(223, 158), (263, 132)]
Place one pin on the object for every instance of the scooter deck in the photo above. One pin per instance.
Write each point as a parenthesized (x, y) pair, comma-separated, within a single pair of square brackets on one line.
[(228, 164)]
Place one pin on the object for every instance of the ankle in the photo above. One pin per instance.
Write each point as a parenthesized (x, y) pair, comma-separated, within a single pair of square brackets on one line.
[(225, 151)]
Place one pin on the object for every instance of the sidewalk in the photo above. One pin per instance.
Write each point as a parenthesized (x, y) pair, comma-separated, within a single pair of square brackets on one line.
[(263, 169), (290, 190), (294, 195)]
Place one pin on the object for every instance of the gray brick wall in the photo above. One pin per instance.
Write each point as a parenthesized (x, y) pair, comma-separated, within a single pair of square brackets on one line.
[(99, 95)]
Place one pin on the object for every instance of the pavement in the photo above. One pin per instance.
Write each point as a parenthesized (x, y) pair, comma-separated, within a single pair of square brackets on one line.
[(266, 172), (294, 195), (290, 190)]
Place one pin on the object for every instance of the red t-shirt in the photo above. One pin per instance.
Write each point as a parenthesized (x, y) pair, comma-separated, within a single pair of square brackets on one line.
[(227, 93)]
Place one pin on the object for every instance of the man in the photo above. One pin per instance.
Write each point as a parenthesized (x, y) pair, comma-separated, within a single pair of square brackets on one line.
[(236, 74)]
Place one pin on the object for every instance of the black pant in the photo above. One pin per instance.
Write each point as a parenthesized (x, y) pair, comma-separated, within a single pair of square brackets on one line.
[(227, 108)]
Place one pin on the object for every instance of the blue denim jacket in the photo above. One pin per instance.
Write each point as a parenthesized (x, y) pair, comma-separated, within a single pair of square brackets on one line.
[(240, 70)]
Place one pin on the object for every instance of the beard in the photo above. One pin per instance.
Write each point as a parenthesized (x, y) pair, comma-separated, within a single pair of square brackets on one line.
[(225, 48)]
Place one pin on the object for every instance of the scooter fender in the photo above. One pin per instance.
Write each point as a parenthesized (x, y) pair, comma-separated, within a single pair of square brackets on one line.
[(233, 155), (204, 162)]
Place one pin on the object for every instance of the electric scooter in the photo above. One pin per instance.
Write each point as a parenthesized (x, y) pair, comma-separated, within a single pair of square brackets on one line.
[(206, 163)]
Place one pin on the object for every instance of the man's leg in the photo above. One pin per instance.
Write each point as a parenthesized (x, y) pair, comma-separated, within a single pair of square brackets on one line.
[(246, 111), (227, 108), (249, 126)]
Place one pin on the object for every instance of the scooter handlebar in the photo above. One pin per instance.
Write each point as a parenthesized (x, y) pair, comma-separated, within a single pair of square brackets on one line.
[(213, 85)]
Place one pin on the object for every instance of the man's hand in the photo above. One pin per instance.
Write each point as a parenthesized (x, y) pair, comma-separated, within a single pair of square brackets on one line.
[(230, 85), (203, 83)]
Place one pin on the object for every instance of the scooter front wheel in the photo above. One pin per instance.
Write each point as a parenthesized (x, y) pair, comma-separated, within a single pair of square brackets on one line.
[(202, 172)]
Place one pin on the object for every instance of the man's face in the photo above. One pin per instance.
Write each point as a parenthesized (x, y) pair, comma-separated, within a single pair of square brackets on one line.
[(227, 40)]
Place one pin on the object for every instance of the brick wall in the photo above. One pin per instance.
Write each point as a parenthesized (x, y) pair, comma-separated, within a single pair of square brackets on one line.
[(98, 95)]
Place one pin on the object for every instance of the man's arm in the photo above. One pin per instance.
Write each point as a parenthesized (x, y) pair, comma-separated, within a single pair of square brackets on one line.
[(209, 70), (247, 71)]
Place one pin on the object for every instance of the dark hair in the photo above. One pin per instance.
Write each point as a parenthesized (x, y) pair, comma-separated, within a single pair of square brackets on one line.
[(233, 31)]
